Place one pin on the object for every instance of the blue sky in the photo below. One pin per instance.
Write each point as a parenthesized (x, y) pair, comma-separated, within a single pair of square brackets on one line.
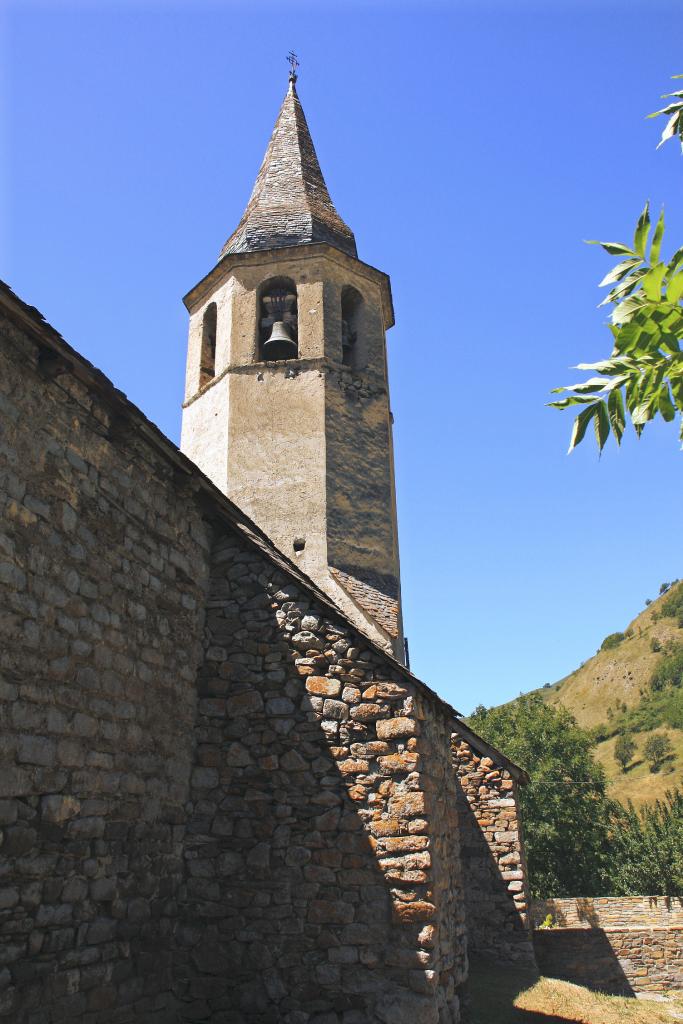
[(471, 148)]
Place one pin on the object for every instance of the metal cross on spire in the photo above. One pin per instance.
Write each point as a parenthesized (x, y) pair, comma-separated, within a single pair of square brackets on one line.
[(293, 61)]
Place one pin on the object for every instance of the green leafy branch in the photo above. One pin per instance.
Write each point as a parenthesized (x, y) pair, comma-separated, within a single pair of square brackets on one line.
[(674, 112), (643, 378)]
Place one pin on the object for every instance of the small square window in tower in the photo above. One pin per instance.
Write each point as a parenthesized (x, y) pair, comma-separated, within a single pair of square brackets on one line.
[(278, 324)]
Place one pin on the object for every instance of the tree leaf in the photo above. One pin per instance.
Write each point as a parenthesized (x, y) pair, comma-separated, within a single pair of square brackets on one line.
[(669, 109), (615, 411), (657, 238), (652, 282), (631, 283), (642, 413), (608, 365), (626, 309), (590, 386), (613, 248), (674, 289), (666, 406), (675, 261), (601, 425), (564, 403), (620, 271), (670, 344), (642, 231), (580, 425), (670, 129)]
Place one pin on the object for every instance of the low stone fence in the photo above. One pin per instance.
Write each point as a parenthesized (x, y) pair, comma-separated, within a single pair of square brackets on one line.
[(615, 944)]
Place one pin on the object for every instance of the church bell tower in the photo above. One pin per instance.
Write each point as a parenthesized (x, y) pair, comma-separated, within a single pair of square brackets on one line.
[(286, 400)]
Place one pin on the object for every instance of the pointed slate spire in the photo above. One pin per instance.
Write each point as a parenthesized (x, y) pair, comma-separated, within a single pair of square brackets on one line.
[(290, 204)]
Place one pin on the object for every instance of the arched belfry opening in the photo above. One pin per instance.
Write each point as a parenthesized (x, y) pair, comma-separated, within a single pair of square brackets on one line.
[(278, 320), (208, 356), (351, 302)]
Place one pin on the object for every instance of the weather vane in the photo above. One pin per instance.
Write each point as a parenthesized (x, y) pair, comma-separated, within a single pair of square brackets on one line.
[(293, 61)]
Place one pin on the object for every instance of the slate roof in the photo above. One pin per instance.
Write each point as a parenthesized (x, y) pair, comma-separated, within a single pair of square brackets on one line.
[(290, 204)]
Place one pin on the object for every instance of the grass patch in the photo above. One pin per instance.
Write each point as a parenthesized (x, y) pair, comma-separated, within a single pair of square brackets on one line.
[(507, 996)]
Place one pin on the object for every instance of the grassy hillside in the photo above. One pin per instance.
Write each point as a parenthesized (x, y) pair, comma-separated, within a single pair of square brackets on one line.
[(621, 674), (638, 783), (613, 693)]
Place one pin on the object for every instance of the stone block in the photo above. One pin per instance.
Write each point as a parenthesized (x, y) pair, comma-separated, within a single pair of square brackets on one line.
[(36, 750), (323, 687), (417, 910), (366, 713), (59, 807), (335, 709), (395, 728), (330, 912)]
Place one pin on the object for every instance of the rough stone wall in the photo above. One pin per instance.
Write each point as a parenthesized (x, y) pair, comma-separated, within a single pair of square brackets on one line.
[(311, 867), (102, 566), (610, 912), (621, 961), (614, 943), (494, 868), (323, 878)]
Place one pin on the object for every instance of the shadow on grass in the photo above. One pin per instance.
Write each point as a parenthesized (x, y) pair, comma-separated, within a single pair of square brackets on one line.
[(492, 993), (494, 990), (582, 956), (664, 767)]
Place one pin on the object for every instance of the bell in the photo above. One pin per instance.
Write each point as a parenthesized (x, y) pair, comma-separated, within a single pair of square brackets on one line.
[(280, 344)]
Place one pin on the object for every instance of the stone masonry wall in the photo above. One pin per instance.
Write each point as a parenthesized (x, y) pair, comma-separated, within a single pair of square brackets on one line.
[(323, 878), (611, 912), (620, 944), (621, 961), (218, 801), (492, 852), (102, 577)]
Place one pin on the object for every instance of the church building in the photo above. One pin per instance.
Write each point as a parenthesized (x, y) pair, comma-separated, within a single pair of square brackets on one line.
[(224, 797)]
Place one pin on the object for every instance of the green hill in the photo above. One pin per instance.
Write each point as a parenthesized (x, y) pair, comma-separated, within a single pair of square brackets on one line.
[(634, 684)]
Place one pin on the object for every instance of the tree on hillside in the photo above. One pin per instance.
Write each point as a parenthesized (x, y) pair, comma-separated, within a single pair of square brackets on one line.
[(643, 377), (656, 750), (673, 605), (647, 848), (565, 811), (624, 749)]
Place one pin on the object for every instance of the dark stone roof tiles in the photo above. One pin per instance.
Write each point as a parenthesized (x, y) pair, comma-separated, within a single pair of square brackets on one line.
[(380, 606), (290, 204)]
